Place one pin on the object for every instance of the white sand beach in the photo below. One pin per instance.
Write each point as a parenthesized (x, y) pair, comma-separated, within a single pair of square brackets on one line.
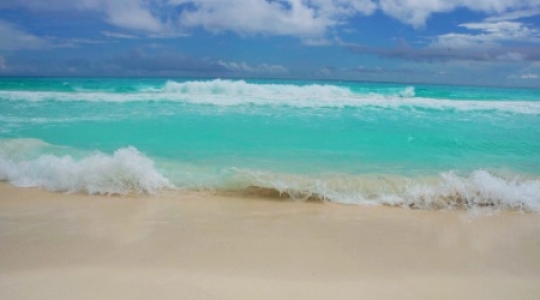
[(195, 245)]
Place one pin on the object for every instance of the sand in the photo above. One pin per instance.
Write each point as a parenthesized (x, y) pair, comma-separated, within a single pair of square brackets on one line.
[(196, 245)]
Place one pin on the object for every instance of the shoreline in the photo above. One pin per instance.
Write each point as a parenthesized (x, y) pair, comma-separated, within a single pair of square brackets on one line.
[(199, 245)]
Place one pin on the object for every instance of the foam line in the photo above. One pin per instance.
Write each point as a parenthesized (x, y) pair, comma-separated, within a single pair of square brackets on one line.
[(230, 93)]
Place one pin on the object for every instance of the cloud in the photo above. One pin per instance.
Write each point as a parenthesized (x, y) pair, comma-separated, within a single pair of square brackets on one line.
[(514, 15), (14, 38), (135, 15), (365, 72), (488, 34), (502, 38), (415, 12), (261, 68), (279, 17), (302, 18), (132, 63), (492, 39), (266, 68), (118, 35), (128, 14), (376, 70), (141, 61), (524, 76), (440, 54), (310, 20), (173, 62), (315, 17)]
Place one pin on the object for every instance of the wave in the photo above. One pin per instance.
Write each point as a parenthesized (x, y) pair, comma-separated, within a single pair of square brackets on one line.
[(34, 163), (127, 170), (447, 190), (242, 88), (229, 93)]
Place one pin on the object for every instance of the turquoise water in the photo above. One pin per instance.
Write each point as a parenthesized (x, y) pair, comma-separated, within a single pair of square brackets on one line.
[(416, 145)]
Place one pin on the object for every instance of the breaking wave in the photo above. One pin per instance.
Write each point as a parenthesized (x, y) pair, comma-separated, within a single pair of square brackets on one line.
[(448, 190), (242, 88), (34, 163), (227, 93), (125, 171)]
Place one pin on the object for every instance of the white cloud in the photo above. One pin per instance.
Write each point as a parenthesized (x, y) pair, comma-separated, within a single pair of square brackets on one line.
[(511, 56), (272, 17), (266, 68), (261, 68), (514, 15), (2, 63), (308, 19), (118, 35), (416, 12), (132, 15), (524, 76), (463, 41), (254, 17), (503, 29), (13, 38), (129, 14), (488, 34), (279, 17)]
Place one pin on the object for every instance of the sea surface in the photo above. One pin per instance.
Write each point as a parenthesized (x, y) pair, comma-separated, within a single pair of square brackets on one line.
[(412, 145)]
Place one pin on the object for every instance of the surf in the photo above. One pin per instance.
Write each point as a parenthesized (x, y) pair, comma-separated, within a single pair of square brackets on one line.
[(242, 94), (35, 163)]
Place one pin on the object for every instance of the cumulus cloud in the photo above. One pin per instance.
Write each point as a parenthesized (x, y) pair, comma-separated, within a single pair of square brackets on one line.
[(304, 18), (13, 38), (275, 17), (315, 17), (279, 17)]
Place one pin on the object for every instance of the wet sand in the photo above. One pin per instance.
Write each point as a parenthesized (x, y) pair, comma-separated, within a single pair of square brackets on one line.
[(195, 245)]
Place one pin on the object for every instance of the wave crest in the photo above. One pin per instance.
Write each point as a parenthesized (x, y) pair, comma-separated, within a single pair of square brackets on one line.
[(34, 163), (447, 191), (239, 93), (126, 171), (243, 88)]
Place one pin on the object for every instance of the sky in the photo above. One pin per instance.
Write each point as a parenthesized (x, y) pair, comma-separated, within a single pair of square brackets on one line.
[(479, 42)]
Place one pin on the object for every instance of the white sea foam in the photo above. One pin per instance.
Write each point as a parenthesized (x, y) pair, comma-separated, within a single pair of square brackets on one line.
[(34, 163), (479, 189), (242, 88), (126, 171), (230, 93)]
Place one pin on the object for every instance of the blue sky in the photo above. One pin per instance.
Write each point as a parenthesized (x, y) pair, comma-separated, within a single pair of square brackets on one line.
[(494, 42)]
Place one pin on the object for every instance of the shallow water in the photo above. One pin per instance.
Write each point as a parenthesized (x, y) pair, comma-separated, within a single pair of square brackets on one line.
[(421, 146)]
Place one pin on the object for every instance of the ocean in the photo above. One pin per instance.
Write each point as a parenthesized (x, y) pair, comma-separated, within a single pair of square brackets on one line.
[(411, 145)]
